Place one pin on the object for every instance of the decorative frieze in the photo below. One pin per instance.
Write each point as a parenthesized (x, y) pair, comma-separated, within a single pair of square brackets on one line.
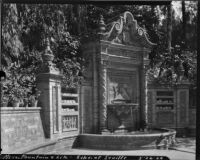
[(123, 66), (120, 60), (122, 53)]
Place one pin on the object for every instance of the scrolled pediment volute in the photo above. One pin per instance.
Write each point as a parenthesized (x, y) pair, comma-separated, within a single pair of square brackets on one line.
[(127, 31)]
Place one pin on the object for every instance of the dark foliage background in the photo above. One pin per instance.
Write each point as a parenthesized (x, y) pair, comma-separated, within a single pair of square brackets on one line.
[(26, 27)]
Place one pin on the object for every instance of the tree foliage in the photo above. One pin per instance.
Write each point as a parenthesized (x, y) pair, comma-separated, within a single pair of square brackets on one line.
[(26, 27), (181, 63), (32, 24)]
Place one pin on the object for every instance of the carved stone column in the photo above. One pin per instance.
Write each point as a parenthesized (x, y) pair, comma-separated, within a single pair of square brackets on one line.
[(103, 95), (102, 80), (145, 95), (144, 86)]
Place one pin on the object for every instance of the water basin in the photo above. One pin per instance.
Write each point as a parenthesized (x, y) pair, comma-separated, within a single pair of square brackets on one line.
[(122, 141)]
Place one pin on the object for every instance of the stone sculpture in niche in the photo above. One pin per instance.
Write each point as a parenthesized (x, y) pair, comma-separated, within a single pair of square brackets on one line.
[(121, 93), (120, 87)]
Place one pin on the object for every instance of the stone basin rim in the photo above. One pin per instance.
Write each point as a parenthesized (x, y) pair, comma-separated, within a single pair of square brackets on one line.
[(121, 142), (163, 131)]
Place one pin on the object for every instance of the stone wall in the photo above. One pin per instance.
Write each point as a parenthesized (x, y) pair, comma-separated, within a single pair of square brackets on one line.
[(192, 122), (192, 117), (89, 98), (182, 117), (20, 127), (86, 115)]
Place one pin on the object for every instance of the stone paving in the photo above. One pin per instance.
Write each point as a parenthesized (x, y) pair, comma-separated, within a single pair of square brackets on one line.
[(171, 154), (186, 144), (184, 150)]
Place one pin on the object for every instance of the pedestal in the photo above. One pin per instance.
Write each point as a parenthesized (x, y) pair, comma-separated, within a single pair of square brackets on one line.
[(50, 99), (122, 112)]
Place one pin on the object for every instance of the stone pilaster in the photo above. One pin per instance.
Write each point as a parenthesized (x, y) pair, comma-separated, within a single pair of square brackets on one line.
[(50, 102), (49, 83), (95, 93)]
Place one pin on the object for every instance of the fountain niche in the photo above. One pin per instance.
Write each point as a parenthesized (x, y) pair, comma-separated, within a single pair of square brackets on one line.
[(120, 110), (122, 102)]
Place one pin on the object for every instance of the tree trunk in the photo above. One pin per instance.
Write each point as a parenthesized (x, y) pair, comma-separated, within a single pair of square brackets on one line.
[(184, 23), (78, 16), (169, 27)]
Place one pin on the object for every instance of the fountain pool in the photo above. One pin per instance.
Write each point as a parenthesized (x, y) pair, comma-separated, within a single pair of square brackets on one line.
[(126, 141)]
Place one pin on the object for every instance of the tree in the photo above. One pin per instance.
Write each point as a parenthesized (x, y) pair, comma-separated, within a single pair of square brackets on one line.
[(67, 26), (35, 24), (25, 29), (11, 44), (181, 62), (184, 20), (169, 27)]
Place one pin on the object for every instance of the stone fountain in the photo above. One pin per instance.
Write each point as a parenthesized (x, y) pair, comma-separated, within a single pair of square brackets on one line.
[(118, 84)]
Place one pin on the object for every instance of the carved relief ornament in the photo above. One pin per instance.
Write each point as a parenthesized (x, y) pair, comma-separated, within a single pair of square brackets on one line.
[(126, 31)]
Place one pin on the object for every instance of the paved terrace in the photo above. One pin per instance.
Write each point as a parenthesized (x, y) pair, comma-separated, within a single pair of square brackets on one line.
[(184, 150)]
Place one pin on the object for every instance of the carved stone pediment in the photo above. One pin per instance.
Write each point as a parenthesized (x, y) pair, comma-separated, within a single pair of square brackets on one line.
[(126, 31)]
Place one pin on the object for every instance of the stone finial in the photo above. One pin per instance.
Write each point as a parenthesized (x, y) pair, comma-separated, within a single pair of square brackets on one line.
[(101, 24), (48, 49), (47, 57), (181, 72), (48, 54)]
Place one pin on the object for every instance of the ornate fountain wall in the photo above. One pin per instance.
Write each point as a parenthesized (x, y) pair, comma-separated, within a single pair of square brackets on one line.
[(116, 76)]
